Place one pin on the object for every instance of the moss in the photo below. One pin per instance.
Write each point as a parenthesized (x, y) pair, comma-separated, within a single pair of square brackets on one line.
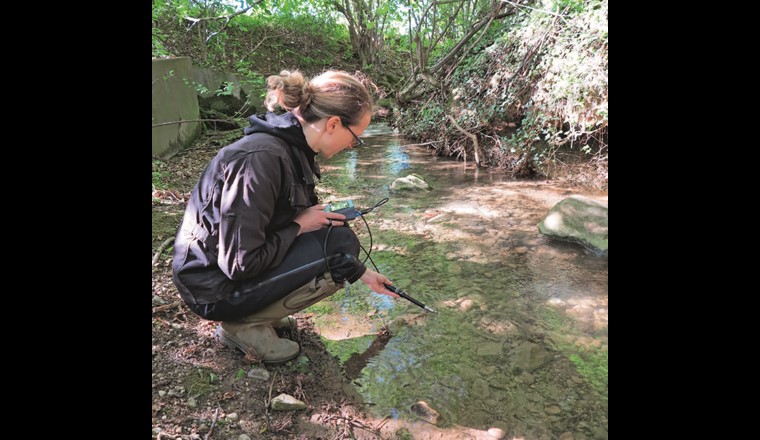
[(165, 225), (200, 383), (593, 366), (320, 308), (590, 363), (344, 348), (404, 434)]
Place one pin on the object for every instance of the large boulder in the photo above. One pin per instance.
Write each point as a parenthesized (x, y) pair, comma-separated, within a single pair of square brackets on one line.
[(578, 219), (410, 182)]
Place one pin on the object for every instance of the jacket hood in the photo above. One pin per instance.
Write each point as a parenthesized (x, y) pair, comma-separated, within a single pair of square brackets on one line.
[(285, 127)]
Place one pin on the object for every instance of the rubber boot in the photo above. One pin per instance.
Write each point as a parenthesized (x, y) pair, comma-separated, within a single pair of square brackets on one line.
[(286, 323), (257, 340), (310, 293), (286, 327)]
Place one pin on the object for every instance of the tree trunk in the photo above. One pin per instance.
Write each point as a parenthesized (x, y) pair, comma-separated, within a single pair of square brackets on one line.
[(407, 92)]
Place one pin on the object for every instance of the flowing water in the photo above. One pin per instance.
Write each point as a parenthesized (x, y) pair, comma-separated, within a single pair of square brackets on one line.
[(519, 342)]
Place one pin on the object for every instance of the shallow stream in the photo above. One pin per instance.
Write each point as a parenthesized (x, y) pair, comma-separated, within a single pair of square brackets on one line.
[(519, 343)]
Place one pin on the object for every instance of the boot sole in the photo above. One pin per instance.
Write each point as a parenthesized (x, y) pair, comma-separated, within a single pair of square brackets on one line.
[(232, 342)]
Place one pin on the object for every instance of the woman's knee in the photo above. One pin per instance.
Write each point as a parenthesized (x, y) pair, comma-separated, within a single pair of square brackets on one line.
[(343, 240)]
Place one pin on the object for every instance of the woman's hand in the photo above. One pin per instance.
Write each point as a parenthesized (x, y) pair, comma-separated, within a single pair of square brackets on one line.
[(375, 282), (315, 218)]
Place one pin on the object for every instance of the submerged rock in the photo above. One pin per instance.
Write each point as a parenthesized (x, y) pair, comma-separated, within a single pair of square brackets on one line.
[(425, 412), (529, 357), (410, 182)]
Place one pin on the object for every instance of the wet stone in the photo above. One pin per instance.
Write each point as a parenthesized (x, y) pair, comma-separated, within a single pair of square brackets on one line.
[(466, 305), (403, 434), (467, 372), (492, 406), (600, 434), (489, 349), (496, 433), (498, 424), (527, 378), (488, 370), (530, 357), (426, 412), (480, 388)]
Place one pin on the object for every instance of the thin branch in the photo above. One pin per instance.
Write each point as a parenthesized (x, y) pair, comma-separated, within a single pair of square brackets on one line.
[(213, 423), (474, 30), (466, 51), (539, 10), (470, 135), (160, 250), (426, 143), (192, 120), (269, 399), (531, 52), (406, 92), (221, 17), (445, 30), (226, 18), (257, 46), (166, 307)]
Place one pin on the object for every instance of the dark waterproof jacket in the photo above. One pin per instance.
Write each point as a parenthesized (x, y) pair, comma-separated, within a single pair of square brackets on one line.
[(239, 220)]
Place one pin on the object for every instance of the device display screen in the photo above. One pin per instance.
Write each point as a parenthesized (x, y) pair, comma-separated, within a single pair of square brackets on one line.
[(345, 207)]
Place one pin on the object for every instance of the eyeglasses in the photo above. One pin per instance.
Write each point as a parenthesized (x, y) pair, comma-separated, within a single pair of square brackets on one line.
[(357, 140)]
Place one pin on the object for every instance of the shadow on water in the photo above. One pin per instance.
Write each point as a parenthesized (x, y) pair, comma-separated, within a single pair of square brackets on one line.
[(520, 340)]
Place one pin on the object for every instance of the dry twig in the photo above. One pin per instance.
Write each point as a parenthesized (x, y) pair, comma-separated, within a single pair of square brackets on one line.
[(213, 424), (471, 136), (191, 120), (161, 248), (166, 307), (269, 400), (226, 18), (426, 143)]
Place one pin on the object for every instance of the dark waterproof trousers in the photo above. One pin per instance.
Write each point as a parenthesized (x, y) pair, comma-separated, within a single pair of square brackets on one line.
[(299, 281)]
